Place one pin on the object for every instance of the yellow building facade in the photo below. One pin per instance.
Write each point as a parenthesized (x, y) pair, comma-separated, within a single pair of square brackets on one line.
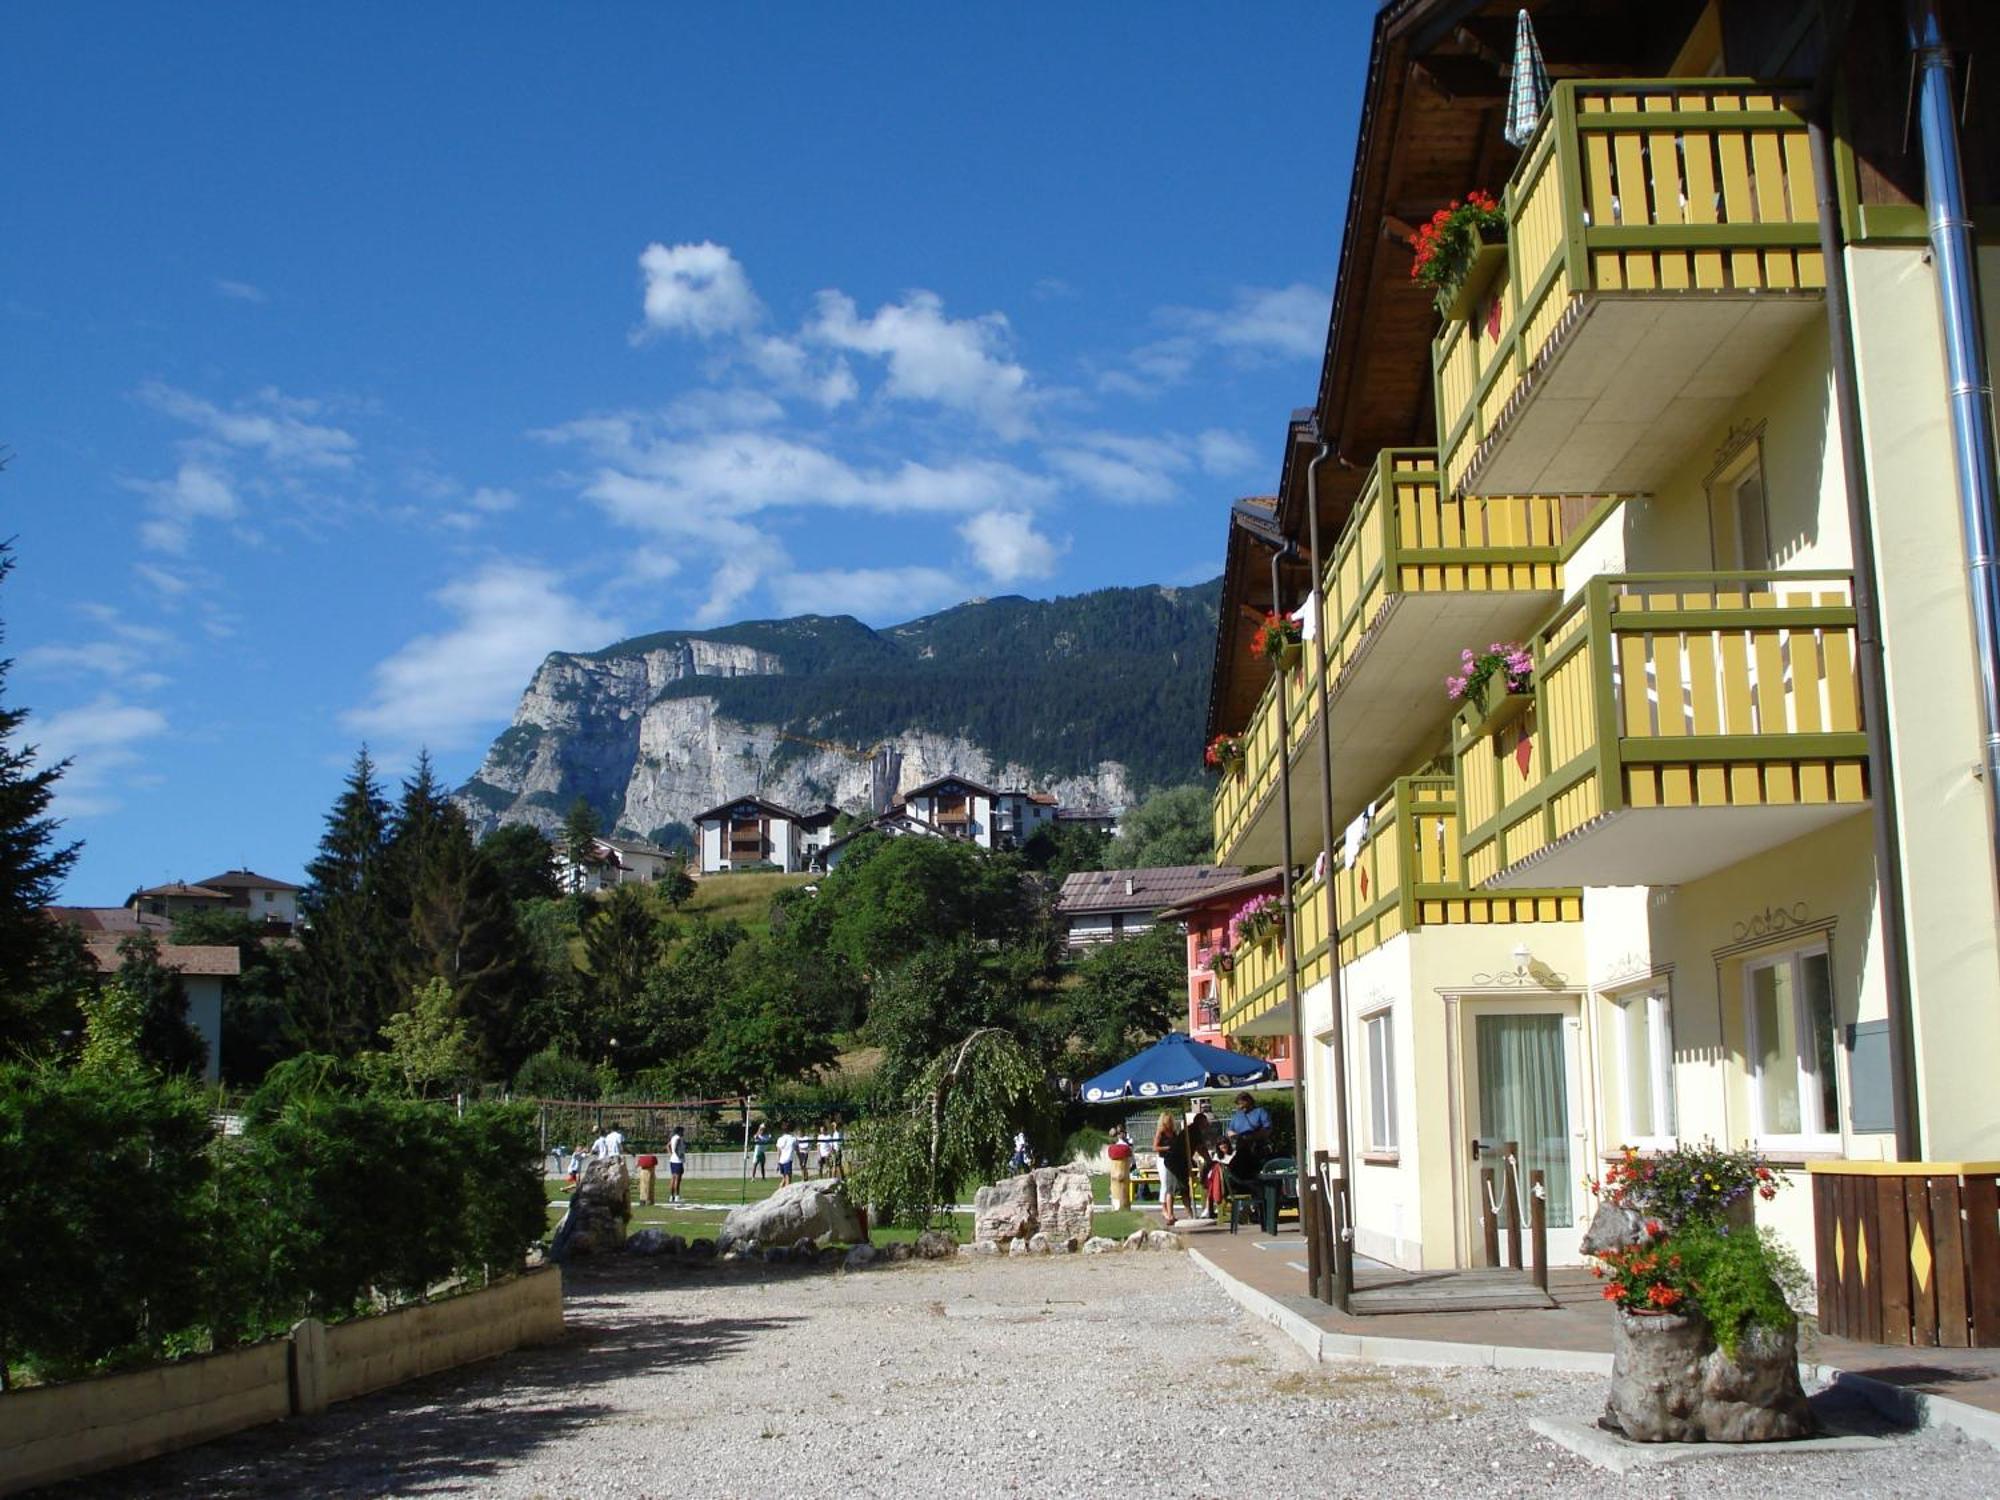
[(1639, 903)]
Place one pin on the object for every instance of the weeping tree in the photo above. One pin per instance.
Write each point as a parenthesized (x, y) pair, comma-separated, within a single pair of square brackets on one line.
[(955, 1125)]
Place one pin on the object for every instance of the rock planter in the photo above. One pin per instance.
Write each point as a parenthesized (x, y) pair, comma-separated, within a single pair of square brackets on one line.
[(1671, 1383)]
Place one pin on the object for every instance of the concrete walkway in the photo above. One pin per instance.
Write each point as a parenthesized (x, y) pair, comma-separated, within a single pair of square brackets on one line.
[(1576, 1334)]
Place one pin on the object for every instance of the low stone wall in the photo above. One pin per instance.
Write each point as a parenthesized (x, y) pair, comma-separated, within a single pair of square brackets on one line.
[(57, 1432)]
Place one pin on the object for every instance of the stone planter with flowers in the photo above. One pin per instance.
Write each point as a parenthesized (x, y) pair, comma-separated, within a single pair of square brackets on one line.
[(1705, 1348)]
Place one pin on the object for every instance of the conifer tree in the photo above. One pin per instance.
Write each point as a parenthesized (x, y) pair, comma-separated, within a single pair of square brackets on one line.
[(32, 867), (348, 950)]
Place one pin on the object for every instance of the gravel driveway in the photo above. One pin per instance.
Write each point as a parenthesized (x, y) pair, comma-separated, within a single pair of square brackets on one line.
[(1124, 1375)]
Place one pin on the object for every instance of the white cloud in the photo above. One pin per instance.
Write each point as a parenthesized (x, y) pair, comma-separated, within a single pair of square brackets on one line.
[(700, 289), (197, 492), (1224, 453), (167, 583), (706, 411), (100, 741), (961, 363), (1007, 547), (679, 485), (270, 424), (869, 593), (1130, 470), (1288, 322), (447, 688), (239, 291), (493, 501), (732, 580), (126, 655)]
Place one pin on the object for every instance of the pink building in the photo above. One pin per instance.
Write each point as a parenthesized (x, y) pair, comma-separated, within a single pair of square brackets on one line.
[(1208, 972)]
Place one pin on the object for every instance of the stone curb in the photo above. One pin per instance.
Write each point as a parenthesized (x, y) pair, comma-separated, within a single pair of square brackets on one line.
[(1898, 1404)]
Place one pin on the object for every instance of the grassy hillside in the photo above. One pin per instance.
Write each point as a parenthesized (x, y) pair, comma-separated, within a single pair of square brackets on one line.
[(740, 898)]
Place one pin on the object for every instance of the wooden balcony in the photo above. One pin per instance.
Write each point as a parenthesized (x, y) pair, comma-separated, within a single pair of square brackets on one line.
[(1252, 996), (1678, 723), (1663, 250), (1413, 578), (1408, 873)]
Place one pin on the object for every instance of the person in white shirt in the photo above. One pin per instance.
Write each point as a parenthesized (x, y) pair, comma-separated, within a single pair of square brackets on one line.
[(676, 1164), (788, 1154), (611, 1143)]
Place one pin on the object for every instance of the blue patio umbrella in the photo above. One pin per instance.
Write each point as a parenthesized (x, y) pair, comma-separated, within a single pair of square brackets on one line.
[(1528, 93), (1174, 1066)]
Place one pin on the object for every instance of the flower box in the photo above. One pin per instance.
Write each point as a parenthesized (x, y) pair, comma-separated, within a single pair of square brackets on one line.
[(1497, 713), (1457, 300)]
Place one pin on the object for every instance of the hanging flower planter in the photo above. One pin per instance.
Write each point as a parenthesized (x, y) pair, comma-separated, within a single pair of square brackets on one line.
[(1224, 754), (1459, 252), (1225, 961), (1280, 641), (1495, 682), (1257, 919)]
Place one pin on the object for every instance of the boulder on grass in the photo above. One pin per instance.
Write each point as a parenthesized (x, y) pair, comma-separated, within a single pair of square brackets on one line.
[(1064, 1203), (1006, 1210), (647, 1242), (935, 1244), (861, 1256), (599, 1209), (805, 1210)]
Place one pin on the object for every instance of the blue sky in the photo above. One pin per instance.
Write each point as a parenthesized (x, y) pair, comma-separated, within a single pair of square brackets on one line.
[(359, 356)]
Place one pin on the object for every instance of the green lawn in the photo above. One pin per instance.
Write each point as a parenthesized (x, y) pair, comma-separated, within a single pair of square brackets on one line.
[(713, 1197)]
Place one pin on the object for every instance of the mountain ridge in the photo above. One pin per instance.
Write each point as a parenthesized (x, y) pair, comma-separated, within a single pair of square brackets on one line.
[(1090, 696)]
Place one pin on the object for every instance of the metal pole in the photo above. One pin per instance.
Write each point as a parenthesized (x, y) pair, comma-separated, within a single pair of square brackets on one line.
[(1868, 645), (1343, 1250), (1538, 1208), (1510, 1193), (1969, 393), (1279, 555)]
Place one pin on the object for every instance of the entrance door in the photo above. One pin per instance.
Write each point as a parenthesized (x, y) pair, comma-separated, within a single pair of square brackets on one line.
[(1523, 1085)]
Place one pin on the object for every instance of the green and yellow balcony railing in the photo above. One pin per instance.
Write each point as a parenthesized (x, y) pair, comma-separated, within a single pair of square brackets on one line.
[(1662, 249), (1677, 723), (1413, 577), (1251, 994), (1407, 873), (1242, 791)]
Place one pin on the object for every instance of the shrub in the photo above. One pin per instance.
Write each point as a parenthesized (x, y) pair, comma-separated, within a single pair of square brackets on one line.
[(102, 1173), (551, 1075)]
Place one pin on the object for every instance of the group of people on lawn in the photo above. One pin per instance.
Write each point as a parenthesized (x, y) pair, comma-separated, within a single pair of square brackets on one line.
[(796, 1152), (1201, 1150)]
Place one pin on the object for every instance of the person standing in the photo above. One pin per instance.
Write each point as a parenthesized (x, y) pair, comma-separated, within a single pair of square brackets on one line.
[(759, 1144), (1019, 1160), (1119, 1152), (839, 1163), (1171, 1145), (611, 1143), (825, 1145), (1250, 1134), (1201, 1139), (677, 1161), (788, 1155)]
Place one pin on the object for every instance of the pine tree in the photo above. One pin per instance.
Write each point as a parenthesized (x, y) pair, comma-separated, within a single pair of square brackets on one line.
[(348, 950), (580, 829), (32, 867)]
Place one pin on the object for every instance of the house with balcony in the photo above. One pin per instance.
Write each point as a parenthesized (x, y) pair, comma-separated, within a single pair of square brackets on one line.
[(1107, 906), (1720, 863), (756, 833), (1212, 953)]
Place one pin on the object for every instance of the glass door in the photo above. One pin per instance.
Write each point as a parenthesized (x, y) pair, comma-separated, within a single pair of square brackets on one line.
[(1522, 1086)]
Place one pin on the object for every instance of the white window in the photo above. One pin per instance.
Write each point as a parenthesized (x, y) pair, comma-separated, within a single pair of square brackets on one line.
[(1739, 533), (1645, 1023), (1381, 1038), (1788, 1002)]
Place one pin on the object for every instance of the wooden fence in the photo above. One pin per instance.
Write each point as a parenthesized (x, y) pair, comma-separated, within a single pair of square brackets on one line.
[(1909, 1252)]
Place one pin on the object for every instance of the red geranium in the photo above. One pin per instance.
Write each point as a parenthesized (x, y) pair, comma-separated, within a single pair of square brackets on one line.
[(1445, 245)]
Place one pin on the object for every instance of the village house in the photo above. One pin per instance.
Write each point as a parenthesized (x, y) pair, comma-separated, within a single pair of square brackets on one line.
[(200, 967), (264, 899), (1698, 860), (756, 833), (1213, 951), (612, 861)]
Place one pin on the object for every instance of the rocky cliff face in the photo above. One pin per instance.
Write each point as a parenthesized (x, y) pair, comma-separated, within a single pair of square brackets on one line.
[(653, 731)]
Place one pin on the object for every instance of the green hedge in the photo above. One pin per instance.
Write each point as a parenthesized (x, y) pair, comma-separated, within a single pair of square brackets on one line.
[(134, 1230)]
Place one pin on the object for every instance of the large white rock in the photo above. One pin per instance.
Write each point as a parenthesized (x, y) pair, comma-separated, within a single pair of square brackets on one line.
[(1055, 1201), (805, 1210)]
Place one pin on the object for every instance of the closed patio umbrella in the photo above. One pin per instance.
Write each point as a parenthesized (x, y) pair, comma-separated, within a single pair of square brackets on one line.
[(1528, 93)]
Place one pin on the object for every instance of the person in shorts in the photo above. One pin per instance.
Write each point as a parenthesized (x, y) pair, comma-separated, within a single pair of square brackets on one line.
[(677, 1160), (788, 1155), (1171, 1145)]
